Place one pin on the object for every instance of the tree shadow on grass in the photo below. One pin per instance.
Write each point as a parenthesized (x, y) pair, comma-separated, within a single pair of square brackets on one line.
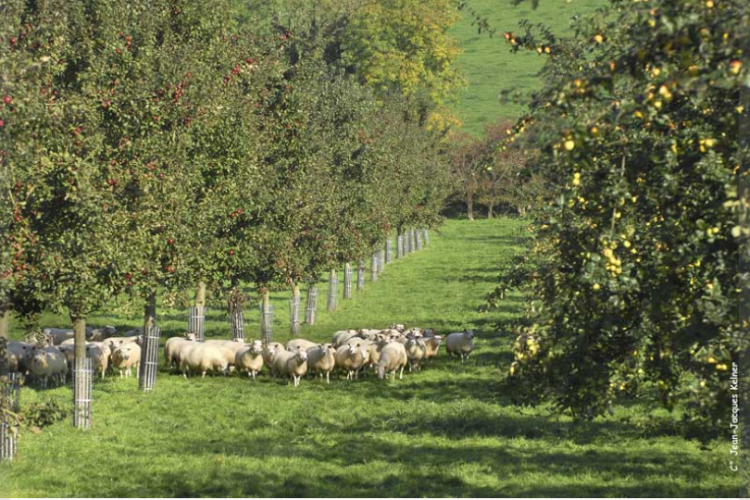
[(424, 469)]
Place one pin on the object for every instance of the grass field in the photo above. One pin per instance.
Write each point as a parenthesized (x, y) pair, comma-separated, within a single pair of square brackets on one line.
[(490, 67), (446, 431)]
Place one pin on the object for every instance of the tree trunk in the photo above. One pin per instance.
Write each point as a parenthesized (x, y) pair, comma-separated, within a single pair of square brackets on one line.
[(79, 334), (4, 327), (235, 299), (149, 312), (491, 211), (470, 206), (200, 295)]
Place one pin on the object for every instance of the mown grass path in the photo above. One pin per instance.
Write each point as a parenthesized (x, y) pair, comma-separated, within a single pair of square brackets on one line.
[(446, 431)]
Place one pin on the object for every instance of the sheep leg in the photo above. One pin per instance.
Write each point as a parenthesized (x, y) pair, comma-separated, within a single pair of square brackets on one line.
[(328, 378), (400, 375)]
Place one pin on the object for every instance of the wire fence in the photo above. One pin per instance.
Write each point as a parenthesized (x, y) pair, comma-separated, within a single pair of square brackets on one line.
[(83, 380), (197, 322), (312, 304), (149, 359)]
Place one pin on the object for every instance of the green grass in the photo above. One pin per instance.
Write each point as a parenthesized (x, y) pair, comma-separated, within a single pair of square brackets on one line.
[(490, 67), (446, 431)]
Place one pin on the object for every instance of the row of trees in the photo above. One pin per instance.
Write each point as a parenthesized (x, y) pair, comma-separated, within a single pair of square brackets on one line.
[(632, 273), (492, 171), (153, 146)]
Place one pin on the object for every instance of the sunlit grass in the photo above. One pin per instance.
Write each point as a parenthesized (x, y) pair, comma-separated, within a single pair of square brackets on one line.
[(446, 431)]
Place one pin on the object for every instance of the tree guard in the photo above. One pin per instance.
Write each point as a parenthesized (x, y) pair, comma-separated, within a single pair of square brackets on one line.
[(425, 236), (266, 323), (197, 322), (374, 267), (312, 304), (237, 324), (83, 377), (399, 245), (418, 238), (11, 392), (361, 276), (294, 315), (388, 251), (149, 358), (333, 291), (412, 239), (347, 281), (8, 439)]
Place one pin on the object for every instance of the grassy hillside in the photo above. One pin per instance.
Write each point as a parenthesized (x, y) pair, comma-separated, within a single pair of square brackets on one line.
[(446, 431), (489, 65)]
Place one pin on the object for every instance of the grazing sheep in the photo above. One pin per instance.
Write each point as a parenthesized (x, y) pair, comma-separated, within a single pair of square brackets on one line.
[(432, 343), (414, 332), (322, 359), (46, 363), (99, 354), (342, 336), (398, 327), (392, 358), (416, 351), (201, 358), (19, 354), (460, 344), (351, 358), (250, 359), (269, 352), (125, 358), (280, 357), (296, 366), (300, 343)]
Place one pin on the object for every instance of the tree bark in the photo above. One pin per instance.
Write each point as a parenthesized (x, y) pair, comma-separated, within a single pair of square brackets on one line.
[(200, 295), (4, 339), (470, 205), (149, 312), (491, 211), (79, 334)]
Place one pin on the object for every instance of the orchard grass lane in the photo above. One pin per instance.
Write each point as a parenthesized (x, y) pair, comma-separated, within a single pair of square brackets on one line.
[(446, 431)]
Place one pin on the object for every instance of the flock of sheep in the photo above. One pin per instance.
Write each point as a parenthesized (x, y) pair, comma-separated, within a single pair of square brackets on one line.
[(386, 352)]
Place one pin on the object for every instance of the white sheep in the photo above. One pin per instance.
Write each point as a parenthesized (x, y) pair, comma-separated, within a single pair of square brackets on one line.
[(397, 326), (322, 359), (432, 343), (201, 358), (460, 344), (173, 349), (250, 359), (99, 334), (296, 366), (125, 358), (374, 349), (99, 354), (69, 352), (392, 358), (342, 336), (415, 352), (46, 363), (351, 358), (228, 348), (300, 343), (269, 352), (19, 354)]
